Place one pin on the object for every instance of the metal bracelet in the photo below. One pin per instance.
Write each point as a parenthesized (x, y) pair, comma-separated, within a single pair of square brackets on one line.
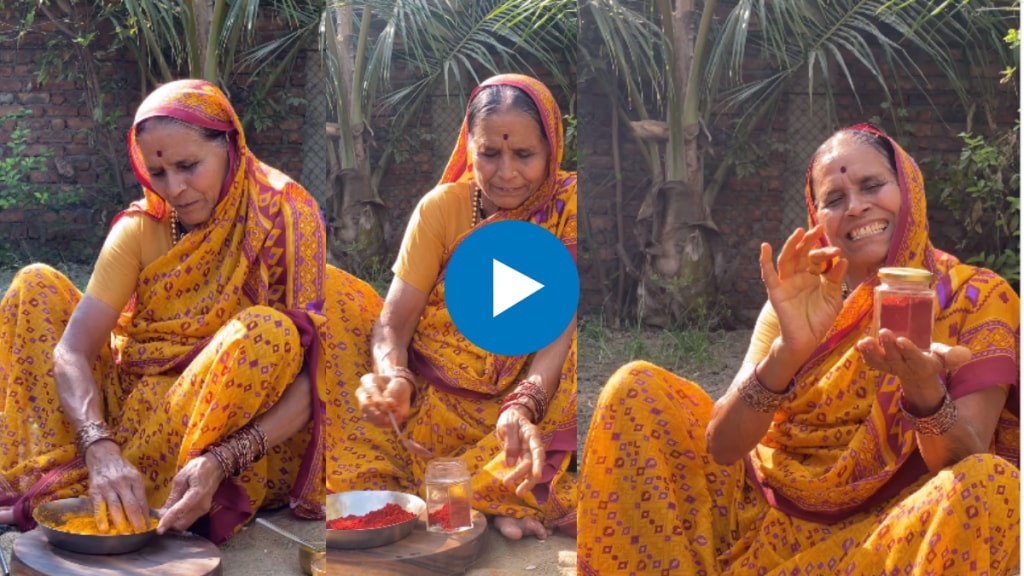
[(240, 450), (936, 424), (402, 372), (760, 398), (91, 432)]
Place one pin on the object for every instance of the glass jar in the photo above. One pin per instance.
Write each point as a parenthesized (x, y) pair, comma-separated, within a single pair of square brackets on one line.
[(449, 496), (905, 304)]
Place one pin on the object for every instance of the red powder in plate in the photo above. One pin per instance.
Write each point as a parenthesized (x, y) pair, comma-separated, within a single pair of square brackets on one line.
[(389, 515), (909, 316)]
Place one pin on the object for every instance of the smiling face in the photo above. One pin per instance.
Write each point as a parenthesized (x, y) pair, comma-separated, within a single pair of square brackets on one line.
[(186, 168), (857, 195), (510, 157)]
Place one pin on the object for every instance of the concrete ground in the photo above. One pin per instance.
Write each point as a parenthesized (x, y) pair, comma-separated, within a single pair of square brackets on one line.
[(555, 556), (257, 551)]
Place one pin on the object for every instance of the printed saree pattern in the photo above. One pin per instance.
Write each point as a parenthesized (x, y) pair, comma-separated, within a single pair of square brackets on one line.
[(837, 484), (217, 328), (460, 386)]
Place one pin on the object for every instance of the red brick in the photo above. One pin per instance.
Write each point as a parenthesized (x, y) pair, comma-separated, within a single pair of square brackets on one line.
[(79, 123), (58, 85), (78, 150), (11, 215), (263, 138), (66, 111), (62, 136)]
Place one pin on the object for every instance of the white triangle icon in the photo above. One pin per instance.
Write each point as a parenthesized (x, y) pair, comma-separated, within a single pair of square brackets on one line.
[(510, 287)]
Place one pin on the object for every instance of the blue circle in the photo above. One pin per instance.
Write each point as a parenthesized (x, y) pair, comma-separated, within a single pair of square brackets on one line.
[(519, 254)]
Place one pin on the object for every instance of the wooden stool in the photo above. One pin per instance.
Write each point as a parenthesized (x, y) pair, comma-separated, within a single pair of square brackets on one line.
[(168, 555)]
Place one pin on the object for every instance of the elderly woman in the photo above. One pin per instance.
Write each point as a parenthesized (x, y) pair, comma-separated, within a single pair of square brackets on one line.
[(512, 420), (180, 380), (834, 451)]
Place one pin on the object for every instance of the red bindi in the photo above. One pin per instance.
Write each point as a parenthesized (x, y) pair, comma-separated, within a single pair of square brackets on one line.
[(842, 169), (160, 154), (504, 136)]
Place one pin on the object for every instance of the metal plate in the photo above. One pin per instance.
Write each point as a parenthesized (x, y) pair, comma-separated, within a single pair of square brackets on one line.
[(50, 515), (362, 502)]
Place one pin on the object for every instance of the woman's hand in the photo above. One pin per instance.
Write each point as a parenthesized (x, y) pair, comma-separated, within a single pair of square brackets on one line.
[(116, 488), (191, 494), (524, 450), (805, 291), (918, 370), (379, 395)]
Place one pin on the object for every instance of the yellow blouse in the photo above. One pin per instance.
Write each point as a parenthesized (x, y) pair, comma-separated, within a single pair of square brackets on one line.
[(133, 243), (439, 219)]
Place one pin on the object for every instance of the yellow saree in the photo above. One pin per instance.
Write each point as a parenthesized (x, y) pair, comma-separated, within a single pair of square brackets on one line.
[(217, 328), (459, 386), (836, 486)]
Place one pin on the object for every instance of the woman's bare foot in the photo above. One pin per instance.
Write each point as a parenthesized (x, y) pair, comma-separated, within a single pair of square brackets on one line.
[(6, 515), (515, 528)]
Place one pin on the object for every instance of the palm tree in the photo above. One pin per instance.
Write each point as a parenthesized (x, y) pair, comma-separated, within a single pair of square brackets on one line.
[(449, 45), (797, 39), (216, 40)]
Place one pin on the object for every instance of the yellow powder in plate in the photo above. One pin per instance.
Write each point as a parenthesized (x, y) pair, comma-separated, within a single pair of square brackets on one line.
[(86, 524)]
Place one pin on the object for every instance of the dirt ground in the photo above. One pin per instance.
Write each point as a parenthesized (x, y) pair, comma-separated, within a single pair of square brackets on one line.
[(710, 359), (257, 551)]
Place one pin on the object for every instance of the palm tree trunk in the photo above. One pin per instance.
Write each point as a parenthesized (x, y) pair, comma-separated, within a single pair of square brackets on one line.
[(354, 208), (679, 276)]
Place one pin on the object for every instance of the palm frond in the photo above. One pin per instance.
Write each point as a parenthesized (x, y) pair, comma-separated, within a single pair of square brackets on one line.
[(888, 39), (628, 46)]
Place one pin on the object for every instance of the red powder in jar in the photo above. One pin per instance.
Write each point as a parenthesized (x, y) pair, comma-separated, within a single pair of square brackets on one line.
[(389, 515), (909, 316), (441, 517)]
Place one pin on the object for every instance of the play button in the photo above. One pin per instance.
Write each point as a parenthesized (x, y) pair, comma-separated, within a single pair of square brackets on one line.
[(511, 287)]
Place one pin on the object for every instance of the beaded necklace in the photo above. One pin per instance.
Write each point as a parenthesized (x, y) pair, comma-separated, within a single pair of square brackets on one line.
[(175, 228), (477, 209)]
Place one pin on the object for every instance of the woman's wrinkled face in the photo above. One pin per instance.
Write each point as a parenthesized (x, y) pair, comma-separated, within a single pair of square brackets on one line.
[(858, 199), (510, 157), (185, 168)]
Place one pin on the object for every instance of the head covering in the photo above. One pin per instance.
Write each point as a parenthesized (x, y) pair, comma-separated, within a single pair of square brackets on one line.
[(460, 165), (195, 102), (864, 448), (910, 246)]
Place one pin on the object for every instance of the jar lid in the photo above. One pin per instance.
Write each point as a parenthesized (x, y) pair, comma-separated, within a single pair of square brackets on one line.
[(906, 274)]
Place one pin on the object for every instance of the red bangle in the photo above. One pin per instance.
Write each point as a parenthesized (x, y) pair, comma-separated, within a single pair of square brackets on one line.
[(529, 395)]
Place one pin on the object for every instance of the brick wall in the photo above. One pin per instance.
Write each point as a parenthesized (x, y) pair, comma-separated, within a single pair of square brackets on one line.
[(750, 209), (61, 122)]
